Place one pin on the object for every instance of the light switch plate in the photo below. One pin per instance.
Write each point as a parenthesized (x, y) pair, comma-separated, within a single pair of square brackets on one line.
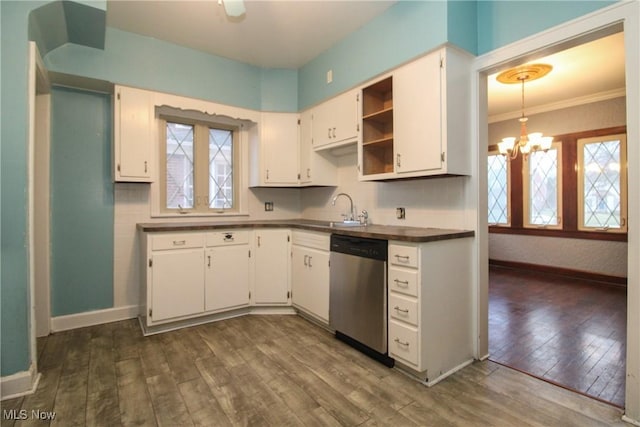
[(400, 213), (329, 76)]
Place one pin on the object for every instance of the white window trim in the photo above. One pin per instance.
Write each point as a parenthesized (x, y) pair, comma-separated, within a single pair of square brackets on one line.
[(581, 142), (525, 193), (227, 114), (508, 223)]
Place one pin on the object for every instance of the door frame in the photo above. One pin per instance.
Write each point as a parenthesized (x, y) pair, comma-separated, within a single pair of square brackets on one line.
[(626, 14)]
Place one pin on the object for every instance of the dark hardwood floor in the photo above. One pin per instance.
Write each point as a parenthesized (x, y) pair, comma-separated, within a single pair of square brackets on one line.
[(273, 371), (567, 331)]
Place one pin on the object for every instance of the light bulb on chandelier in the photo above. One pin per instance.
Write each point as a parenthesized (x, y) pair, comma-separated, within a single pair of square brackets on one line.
[(528, 142)]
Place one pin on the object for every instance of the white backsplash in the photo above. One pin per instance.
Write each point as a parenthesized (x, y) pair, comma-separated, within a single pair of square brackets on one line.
[(437, 202)]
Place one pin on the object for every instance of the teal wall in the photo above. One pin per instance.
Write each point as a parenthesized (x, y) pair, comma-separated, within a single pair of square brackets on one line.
[(504, 22), (14, 304), (153, 64), (404, 31), (81, 202)]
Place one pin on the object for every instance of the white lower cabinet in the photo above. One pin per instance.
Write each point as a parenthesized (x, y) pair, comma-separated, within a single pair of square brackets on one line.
[(271, 284), (430, 307), (227, 271), (177, 280), (310, 274)]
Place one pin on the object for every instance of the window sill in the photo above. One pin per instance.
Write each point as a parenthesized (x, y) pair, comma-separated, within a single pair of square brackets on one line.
[(569, 234), (200, 215)]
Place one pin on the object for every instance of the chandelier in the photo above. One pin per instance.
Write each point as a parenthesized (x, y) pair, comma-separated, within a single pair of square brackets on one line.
[(528, 142)]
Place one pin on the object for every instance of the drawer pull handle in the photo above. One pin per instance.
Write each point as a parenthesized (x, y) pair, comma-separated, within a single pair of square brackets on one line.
[(179, 242), (406, 344), (402, 257), (208, 260), (306, 257), (401, 283), (228, 238), (396, 308)]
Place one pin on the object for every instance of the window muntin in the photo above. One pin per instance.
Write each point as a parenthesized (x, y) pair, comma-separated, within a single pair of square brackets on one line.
[(199, 167), (499, 189), (542, 181), (602, 182), (179, 166)]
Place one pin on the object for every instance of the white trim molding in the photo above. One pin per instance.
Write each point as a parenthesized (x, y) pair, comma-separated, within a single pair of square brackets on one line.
[(19, 384), (91, 318)]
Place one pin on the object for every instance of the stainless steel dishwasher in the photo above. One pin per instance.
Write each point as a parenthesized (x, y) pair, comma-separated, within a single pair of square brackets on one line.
[(358, 294)]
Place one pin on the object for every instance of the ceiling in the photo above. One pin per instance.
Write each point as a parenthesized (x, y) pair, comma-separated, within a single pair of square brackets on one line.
[(271, 34), (585, 73), (290, 33)]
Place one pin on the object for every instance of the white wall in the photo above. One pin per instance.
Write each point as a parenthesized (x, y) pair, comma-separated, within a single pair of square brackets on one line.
[(602, 257), (435, 202)]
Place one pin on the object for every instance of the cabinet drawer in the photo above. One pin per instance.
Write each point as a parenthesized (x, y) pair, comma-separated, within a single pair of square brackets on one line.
[(177, 241), (227, 238), (403, 343), (403, 281), (405, 309), (403, 255)]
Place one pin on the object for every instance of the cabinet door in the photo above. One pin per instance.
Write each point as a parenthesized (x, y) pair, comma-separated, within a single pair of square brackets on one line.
[(336, 120), (345, 113), (417, 119), (310, 281), (177, 283), (271, 263), (227, 277), (306, 147), (280, 148), (133, 120)]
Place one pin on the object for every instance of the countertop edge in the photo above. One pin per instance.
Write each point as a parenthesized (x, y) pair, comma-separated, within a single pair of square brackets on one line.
[(384, 232)]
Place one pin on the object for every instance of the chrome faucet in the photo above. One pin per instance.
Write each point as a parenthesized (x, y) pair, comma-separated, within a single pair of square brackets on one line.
[(349, 217)]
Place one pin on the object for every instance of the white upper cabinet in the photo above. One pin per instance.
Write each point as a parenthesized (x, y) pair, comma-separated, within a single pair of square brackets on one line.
[(419, 126), (277, 157), (316, 167), (335, 122), (133, 120), (417, 95)]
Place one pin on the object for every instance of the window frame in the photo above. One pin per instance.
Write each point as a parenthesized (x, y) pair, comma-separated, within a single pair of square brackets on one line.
[(526, 179), (580, 143), (496, 152), (201, 167)]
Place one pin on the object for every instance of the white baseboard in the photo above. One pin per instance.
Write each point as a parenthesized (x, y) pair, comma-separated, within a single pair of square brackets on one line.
[(19, 384), (630, 420), (91, 318)]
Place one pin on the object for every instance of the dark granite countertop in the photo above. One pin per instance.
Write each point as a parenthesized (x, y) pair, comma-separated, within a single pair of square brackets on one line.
[(385, 232)]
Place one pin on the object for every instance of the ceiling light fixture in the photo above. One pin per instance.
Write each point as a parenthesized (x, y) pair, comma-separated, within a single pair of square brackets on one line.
[(528, 142), (233, 8)]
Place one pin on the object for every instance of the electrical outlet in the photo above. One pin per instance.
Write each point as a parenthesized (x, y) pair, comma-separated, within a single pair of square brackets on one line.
[(268, 206), (400, 213)]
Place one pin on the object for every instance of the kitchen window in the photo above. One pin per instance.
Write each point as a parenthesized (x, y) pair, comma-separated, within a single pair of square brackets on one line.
[(198, 167), (602, 183), (543, 188)]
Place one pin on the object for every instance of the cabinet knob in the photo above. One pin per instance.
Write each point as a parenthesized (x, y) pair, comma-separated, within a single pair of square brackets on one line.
[(305, 260), (308, 173), (334, 132), (329, 133)]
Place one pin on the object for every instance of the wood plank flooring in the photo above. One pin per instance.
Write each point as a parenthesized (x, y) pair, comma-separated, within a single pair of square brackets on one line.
[(274, 371), (568, 331)]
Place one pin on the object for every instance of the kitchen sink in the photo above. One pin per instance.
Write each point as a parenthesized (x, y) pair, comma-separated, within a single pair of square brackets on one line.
[(345, 224)]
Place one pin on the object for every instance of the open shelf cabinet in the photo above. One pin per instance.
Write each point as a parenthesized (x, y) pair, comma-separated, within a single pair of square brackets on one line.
[(377, 127)]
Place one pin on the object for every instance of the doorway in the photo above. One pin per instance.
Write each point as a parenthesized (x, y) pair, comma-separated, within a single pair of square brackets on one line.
[(535, 47)]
